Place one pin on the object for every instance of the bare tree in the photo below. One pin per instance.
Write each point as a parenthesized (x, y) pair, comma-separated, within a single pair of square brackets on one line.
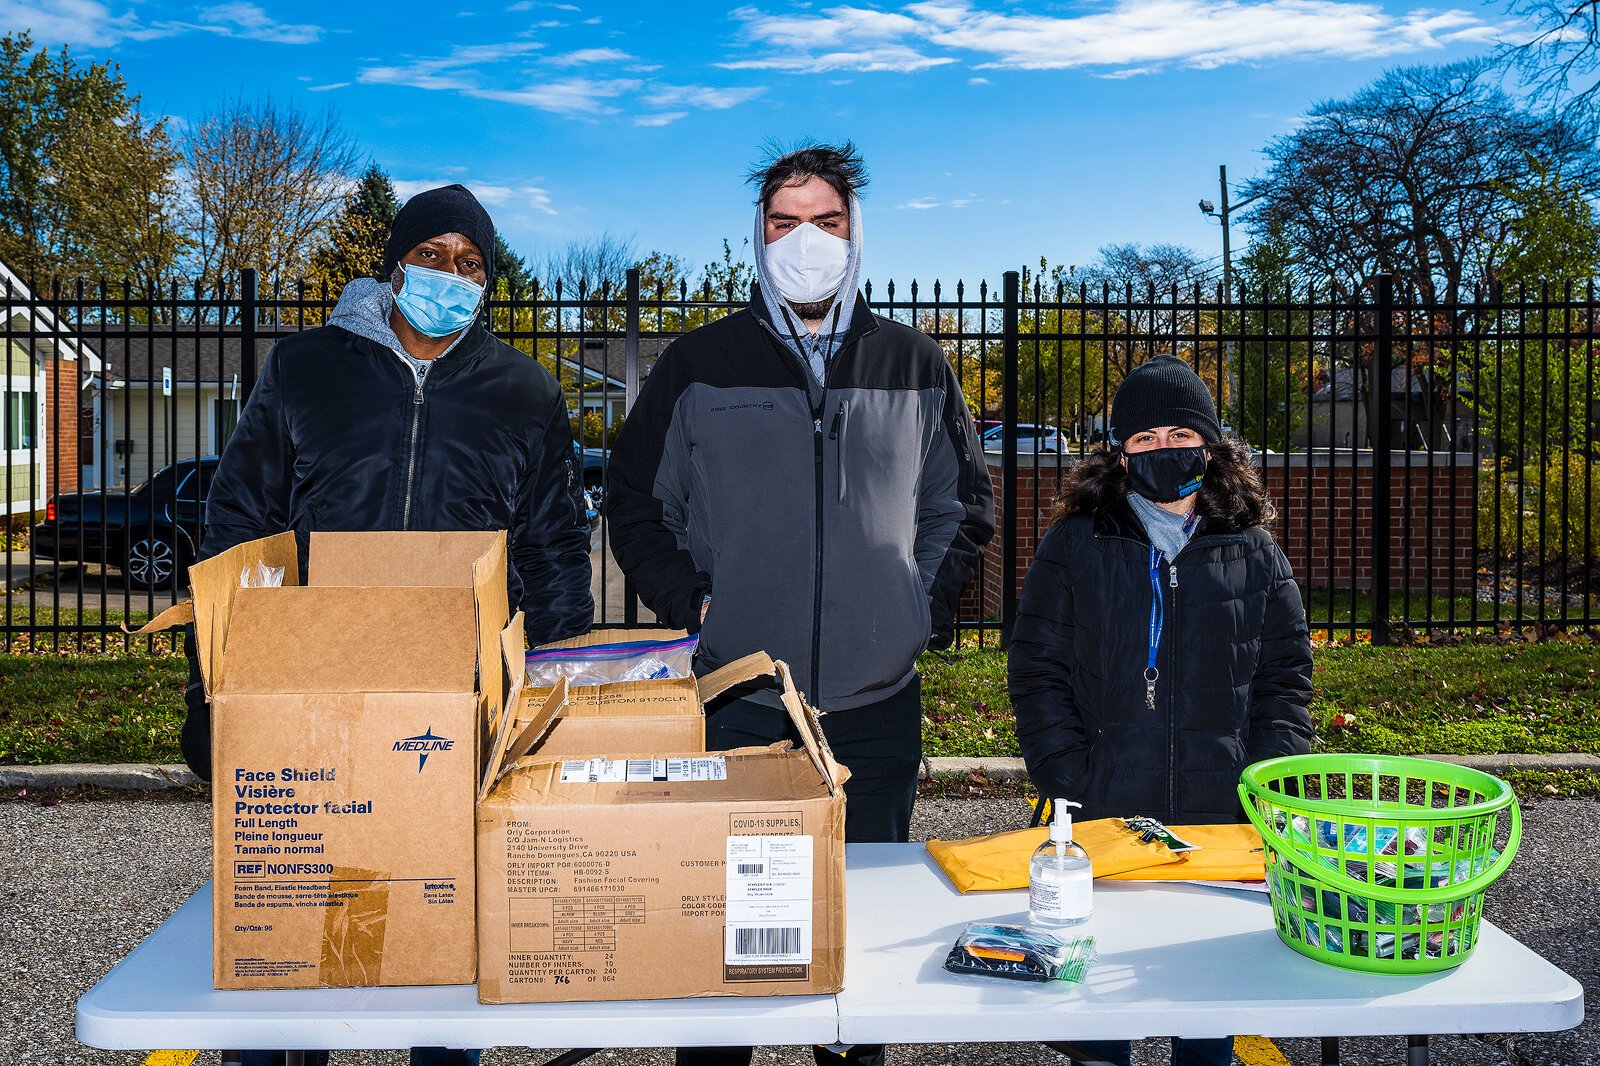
[(1561, 61), (1410, 176), (263, 180), (1143, 266)]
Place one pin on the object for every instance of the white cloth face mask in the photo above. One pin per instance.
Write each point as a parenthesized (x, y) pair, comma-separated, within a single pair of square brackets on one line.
[(807, 264)]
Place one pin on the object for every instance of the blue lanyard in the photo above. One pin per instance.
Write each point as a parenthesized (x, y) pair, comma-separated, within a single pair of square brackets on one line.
[(1157, 620)]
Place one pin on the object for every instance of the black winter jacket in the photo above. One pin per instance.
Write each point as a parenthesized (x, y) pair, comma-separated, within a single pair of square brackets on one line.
[(1234, 663), (833, 527), (338, 435)]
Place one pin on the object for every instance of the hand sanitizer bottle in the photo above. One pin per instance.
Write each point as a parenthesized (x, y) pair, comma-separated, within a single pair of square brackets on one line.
[(1060, 878)]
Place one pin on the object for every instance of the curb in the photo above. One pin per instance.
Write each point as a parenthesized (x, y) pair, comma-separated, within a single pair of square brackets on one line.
[(149, 777), (1013, 769), (130, 776)]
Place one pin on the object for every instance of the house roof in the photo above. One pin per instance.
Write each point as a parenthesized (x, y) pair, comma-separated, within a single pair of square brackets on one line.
[(607, 357), (139, 352), (206, 353), (26, 320)]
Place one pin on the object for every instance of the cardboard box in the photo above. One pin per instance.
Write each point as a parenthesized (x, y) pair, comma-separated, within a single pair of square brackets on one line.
[(346, 724), (625, 717), (682, 875)]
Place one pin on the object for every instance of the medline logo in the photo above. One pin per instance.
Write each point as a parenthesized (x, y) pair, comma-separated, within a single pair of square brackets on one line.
[(424, 746)]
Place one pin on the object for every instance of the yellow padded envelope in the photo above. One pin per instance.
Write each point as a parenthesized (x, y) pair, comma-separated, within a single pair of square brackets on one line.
[(1000, 860)]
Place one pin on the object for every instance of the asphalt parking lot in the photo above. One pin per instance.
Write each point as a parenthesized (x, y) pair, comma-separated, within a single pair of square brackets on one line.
[(84, 881)]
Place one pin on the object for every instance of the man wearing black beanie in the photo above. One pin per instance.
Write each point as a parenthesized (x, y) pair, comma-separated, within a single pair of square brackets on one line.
[(404, 412)]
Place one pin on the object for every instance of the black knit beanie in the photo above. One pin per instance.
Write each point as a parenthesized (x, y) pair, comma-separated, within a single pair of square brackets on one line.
[(1163, 392), (452, 209)]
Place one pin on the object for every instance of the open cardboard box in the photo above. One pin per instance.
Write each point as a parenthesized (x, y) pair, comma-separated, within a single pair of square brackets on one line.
[(346, 724), (677, 874), (663, 714)]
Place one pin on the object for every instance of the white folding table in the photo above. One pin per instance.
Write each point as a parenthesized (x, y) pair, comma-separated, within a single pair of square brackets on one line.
[(1174, 960)]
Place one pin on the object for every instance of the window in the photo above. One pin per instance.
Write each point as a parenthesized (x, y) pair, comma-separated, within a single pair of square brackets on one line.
[(19, 422)]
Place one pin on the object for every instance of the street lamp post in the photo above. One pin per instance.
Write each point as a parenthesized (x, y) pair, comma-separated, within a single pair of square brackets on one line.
[(1209, 208)]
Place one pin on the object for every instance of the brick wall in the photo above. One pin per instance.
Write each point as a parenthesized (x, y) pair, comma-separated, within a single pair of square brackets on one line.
[(1324, 521), (61, 399)]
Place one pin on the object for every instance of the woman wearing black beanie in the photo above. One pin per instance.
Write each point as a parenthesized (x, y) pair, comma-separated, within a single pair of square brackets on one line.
[(1160, 645)]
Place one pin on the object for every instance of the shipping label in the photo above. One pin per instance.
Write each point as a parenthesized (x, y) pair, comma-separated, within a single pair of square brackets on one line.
[(591, 771), (769, 908)]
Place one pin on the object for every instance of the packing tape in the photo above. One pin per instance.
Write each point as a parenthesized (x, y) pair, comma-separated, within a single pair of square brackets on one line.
[(353, 932)]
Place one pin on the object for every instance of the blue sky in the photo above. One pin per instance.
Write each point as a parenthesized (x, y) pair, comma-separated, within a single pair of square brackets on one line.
[(995, 132)]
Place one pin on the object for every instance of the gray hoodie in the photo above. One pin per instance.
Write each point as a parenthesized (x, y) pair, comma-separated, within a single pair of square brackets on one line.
[(363, 309), (812, 348)]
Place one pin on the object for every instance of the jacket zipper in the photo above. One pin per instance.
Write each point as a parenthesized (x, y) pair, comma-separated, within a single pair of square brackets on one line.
[(836, 433), (1172, 698), (411, 457), (816, 588)]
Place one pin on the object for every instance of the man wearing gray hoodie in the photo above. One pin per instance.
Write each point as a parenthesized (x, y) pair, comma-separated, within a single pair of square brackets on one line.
[(802, 478)]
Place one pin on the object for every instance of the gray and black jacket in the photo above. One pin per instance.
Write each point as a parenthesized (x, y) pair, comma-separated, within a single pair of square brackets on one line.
[(834, 526)]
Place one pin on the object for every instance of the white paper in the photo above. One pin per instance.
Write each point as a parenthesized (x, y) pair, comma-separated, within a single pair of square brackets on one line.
[(592, 771), (769, 902)]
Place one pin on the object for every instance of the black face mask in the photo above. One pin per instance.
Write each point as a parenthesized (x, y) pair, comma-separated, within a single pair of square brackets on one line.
[(1167, 475)]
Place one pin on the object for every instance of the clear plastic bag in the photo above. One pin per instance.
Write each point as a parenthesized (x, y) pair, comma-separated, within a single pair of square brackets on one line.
[(261, 576), (605, 664), (1020, 953)]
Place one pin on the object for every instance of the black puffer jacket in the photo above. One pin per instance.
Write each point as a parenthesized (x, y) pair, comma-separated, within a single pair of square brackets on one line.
[(1234, 662), (340, 435)]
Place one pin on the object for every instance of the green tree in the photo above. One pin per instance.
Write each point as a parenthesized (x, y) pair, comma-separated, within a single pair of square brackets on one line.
[(86, 180), (1533, 391), (352, 245), (1268, 368), (511, 271)]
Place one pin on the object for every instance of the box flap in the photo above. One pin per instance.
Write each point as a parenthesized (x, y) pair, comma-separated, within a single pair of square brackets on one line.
[(507, 749), (213, 584), (741, 671), (494, 611), (615, 636), (412, 559), (306, 639), (805, 720), (513, 677)]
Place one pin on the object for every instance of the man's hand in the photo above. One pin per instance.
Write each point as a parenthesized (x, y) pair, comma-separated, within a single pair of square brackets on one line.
[(705, 605)]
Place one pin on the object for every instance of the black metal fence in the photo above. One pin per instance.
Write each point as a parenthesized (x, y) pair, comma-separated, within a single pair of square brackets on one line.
[(1433, 466)]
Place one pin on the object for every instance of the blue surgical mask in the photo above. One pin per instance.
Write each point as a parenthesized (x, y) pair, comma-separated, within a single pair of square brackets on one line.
[(437, 302)]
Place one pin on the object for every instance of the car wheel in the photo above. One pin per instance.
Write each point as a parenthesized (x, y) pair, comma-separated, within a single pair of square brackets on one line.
[(597, 493), (152, 562)]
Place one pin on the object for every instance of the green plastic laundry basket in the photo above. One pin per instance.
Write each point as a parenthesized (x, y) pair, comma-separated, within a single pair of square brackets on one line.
[(1379, 863)]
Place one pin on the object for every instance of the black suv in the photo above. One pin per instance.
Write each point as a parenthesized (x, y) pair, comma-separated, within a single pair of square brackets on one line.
[(150, 532)]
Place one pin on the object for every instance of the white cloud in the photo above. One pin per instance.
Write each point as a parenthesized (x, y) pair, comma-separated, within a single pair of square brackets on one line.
[(1130, 36), (700, 96), (929, 203), (328, 87), (83, 23), (979, 81), (590, 55), (90, 23), (892, 58), (463, 71), (566, 96), (449, 71), (666, 118), (250, 22), (514, 198)]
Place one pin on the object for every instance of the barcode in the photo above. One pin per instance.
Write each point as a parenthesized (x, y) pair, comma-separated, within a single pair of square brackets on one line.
[(750, 869), (777, 941)]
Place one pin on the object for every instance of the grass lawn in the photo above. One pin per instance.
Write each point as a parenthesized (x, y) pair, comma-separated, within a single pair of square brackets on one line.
[(1466, 699), (91, 707), (1469, 699)]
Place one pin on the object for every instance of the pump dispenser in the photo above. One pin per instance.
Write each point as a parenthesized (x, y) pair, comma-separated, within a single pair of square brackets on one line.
[(1060, 877)]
